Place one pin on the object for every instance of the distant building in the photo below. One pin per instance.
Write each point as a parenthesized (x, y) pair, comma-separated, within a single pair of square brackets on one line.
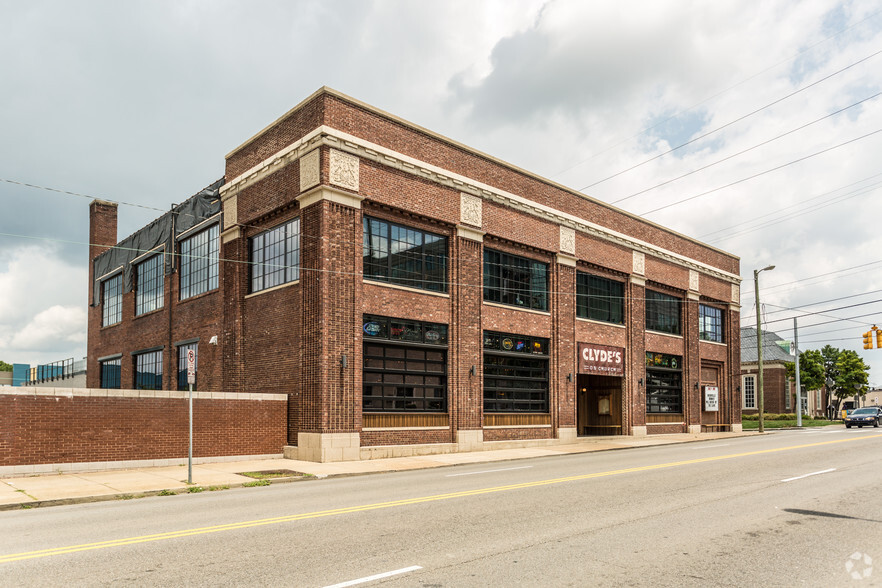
[(779, 393)]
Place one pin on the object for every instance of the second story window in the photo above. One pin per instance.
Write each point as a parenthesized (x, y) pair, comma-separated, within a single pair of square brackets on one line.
[(515, 280), (404, 256), (111, 300), (710, 323), (600, 299), (275, 256), (662, 313), (199, 263), (148, 285)]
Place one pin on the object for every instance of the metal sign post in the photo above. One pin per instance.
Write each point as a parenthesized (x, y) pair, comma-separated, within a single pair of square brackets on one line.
[(191, 379)]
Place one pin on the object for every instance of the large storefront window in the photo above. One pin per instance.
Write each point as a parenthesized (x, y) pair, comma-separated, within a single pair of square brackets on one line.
[(405, 256), (515, 373), (405, 365), (664, 383)]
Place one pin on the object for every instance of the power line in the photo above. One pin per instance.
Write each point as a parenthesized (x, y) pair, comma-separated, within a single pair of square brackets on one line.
[(706, 235), (718, 94), (728, 157), (762, 173), (730, 123)]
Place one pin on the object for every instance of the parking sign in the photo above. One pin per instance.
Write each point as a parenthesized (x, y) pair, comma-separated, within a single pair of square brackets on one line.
[(191, 366)]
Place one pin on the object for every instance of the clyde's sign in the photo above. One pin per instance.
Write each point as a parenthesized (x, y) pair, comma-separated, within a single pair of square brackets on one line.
[(601, 360)]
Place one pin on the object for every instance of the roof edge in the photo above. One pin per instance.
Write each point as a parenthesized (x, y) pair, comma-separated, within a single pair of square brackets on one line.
[(326, 90)]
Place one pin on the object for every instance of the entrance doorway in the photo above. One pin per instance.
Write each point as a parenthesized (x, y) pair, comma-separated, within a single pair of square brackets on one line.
[(712, 420), (599, 405)]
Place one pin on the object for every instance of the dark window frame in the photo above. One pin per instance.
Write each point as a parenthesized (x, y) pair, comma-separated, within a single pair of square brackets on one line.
[(111, 300), (275, 256), (149, 284), (110, 373), (403, 255), (710, 323), (200, 257), (144, 361), (664, 384), (396, 358), (514, 280), (516, 374), (664, 313), (600, 299)]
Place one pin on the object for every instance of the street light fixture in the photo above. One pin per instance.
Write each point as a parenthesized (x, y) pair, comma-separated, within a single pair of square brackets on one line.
[(759, 345)]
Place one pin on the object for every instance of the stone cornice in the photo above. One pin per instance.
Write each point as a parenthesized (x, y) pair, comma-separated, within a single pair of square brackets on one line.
[(325, 135)]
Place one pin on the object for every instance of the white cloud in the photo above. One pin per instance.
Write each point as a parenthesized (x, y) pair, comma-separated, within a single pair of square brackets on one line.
[(44, 306)]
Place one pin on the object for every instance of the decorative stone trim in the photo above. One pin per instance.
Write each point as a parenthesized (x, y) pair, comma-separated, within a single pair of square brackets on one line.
[(693, 280), (325, 193), (470, 233), (230, 235), (736, 293), (567, 260), (325, 135), (638, 281), (309, 170), (231, 211), (344, 170), (470, 209), (693, 296), (568, 240), (638, 263)]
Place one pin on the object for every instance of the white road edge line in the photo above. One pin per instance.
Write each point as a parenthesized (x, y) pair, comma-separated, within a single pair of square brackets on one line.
[(487, 471), (711, 446), (811, 474), (376, 577)]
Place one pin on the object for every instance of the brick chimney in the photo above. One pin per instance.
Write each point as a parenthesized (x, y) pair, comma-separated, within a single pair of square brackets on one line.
[(102, 233)]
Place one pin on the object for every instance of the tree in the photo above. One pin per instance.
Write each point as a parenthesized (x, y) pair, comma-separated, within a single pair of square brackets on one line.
[(852, 375), (5, 367), (811, 370)]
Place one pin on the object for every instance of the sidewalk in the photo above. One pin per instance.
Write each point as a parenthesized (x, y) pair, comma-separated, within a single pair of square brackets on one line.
[(56, 489)]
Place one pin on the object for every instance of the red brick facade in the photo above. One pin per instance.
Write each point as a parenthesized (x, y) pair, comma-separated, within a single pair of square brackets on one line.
[(39, 426), (333, 161)]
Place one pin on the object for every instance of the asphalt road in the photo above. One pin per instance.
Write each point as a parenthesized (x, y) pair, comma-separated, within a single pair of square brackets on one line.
[(789, 508)]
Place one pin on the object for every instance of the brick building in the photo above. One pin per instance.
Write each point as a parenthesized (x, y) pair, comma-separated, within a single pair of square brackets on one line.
[(410, 294), (779, 391)]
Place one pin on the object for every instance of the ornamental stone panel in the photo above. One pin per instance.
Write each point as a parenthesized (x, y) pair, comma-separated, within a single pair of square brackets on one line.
[(470, 209), (309, 170), (568, 240), (344, 170), (639, 263)]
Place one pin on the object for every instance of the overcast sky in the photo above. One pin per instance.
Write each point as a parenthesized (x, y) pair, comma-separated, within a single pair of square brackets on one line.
[(138, 102)]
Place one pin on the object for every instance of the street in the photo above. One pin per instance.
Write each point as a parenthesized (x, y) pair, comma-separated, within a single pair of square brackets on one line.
[(797, 507)]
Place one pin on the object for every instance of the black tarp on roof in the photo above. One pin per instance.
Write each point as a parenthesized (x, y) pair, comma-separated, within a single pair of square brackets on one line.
[(199, 207)]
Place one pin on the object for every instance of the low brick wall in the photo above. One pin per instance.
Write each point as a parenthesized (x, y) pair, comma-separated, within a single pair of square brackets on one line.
[(64, 426)]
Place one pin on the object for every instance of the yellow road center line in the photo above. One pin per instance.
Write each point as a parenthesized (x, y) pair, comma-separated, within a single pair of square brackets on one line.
[(395, 503)]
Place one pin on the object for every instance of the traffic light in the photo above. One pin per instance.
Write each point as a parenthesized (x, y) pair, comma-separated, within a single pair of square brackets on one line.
[(868, 340), (879, 339)]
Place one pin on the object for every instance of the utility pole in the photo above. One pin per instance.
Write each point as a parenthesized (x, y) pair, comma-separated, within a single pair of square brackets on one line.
[(798, 387), (759, 346)]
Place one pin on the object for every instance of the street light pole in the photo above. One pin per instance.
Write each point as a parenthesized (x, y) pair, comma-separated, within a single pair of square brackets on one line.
[(759, 346)]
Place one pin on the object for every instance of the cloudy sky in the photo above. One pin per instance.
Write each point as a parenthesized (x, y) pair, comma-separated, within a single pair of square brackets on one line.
[(753, 126)]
